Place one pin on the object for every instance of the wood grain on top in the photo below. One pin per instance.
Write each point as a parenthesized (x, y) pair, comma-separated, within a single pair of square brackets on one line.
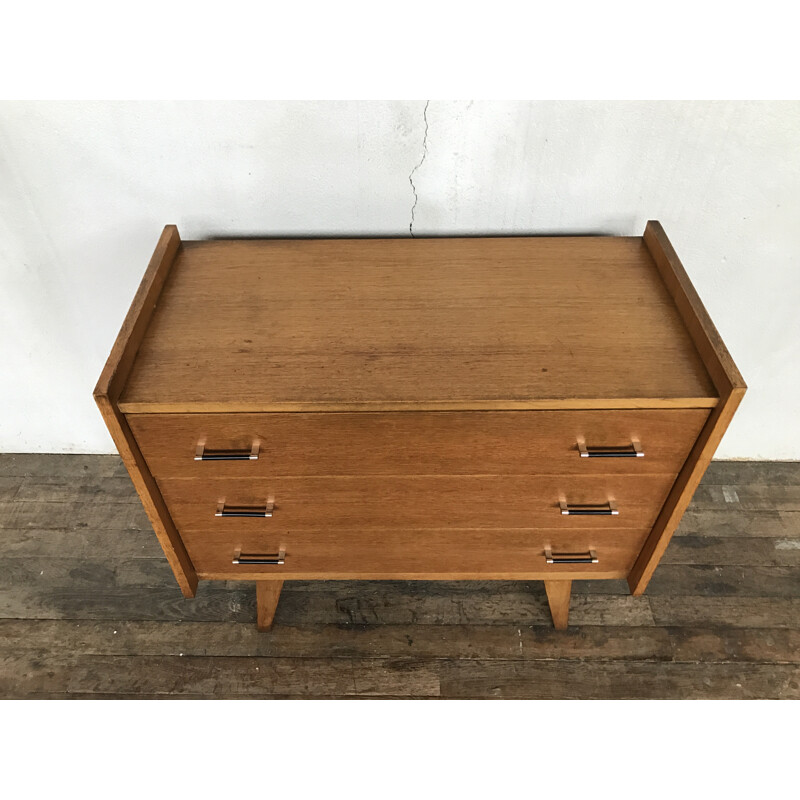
[(395, 324)]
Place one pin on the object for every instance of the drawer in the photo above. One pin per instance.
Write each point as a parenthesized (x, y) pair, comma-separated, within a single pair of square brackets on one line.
[(409, 554), (421, 501), (418, 443)]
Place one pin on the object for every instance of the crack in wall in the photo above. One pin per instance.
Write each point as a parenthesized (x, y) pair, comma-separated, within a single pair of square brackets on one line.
[(421, 161)]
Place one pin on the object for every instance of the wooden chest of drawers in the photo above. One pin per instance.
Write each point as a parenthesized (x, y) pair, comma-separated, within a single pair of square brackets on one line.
[(533, 408)]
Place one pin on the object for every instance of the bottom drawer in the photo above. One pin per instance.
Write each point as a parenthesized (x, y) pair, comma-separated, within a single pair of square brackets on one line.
[(416, 554)]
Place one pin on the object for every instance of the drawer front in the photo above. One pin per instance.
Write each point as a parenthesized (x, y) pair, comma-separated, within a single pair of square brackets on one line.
[(418, 443), (406, 554), (428, 501)]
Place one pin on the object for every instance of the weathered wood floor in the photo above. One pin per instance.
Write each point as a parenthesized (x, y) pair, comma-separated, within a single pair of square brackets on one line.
[(89, 609)]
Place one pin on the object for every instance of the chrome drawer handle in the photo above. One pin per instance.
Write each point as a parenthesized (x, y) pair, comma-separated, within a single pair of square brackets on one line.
[(607, 509), (570, 558), (268, 558), (244, 511), (201, 454), (633, 450)]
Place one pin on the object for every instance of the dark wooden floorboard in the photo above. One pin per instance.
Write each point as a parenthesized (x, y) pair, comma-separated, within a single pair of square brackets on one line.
[(525, 642), (252, 676), (81, 543), (618, 681), (89, 609), (733, 551), (724, 522), (73, 515), (775, 473), (727, 612), (39, 465)]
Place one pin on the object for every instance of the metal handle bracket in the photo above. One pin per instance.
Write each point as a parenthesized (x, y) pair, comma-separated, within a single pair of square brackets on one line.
[(244, 511), (201, 454), (570, 558), (268, 558), (633, 450), (607, 509)]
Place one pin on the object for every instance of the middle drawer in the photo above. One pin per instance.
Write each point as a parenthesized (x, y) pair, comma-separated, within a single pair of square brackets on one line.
[(423, 501)]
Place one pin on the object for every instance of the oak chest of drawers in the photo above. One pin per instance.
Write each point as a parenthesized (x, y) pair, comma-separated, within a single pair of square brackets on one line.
[(532, 408)]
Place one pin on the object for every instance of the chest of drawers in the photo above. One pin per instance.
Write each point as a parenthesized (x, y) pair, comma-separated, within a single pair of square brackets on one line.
[(532, 408)]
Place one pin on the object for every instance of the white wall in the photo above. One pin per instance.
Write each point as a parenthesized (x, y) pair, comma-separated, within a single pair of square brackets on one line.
[(85, 189)]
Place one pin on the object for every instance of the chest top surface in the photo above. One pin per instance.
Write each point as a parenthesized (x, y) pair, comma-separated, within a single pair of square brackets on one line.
[(413, 324)]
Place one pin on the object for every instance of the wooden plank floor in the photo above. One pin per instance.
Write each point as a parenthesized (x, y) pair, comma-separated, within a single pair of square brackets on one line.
[(89, 609)]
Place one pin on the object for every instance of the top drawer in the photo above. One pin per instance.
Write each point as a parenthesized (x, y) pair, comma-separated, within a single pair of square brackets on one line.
[(418, 443)]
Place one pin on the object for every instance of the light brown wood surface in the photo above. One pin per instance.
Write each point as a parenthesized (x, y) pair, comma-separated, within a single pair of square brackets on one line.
[(107, 391), (412, 324), (730, 387), (267, 595), (706, 338), (408, 554), (508, 351), (418, 443), (558, 593), (157, 512), (126, 346), (434, 501), (681, 494)]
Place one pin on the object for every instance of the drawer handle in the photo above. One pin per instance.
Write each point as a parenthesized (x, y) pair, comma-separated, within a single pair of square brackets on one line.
[(607, 509), (244, 511), (570, 558), (201, 454), (633, 450), (268, 558)]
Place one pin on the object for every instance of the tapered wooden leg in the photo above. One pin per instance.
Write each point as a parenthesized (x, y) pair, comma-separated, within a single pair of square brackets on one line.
[(267, 595), (558, 593)]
